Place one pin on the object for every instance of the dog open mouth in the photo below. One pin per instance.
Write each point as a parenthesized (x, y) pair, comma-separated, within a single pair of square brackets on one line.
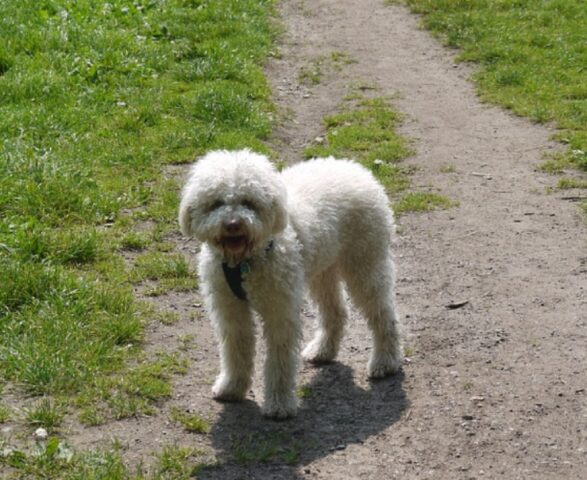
[(235, 247), (235, 243)]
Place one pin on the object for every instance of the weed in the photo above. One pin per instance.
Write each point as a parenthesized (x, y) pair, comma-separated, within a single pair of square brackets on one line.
[(4, 413), (134, 241), (313, 73), (570, 183), (448, 169), (186, 341), (420, 202), (130, 393), (176, 463), (55, 459), (157, 265), (191, 422), (305, 392), (255, 448), (168, 318), (45, 413)]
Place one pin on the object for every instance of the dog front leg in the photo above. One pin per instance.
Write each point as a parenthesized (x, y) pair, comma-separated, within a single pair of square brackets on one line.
[(283, 338), (236, 337)]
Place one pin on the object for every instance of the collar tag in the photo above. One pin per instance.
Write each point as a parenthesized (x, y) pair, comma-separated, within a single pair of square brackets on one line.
[(245, 269)]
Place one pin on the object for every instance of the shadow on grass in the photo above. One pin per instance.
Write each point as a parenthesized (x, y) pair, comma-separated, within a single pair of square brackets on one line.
[(334, 413)]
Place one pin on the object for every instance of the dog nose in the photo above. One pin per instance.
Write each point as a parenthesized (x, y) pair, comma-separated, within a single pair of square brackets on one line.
[(234, 225)]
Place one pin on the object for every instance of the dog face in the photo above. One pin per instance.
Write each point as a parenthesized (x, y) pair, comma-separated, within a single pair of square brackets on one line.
[(234, 201)]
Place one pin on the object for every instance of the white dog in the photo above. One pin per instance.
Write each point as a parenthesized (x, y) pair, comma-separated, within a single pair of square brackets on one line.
[(266, 235)]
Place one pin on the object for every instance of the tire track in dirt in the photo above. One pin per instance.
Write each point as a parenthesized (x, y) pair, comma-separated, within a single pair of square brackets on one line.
[(495, 389)]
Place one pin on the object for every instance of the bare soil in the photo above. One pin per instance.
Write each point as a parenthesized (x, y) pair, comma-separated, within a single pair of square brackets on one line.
[(492, 292)]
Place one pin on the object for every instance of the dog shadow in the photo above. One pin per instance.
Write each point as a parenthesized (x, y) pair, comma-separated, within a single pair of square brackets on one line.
[(334, 413)]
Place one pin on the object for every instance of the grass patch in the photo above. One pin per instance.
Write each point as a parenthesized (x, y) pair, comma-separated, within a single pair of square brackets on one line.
[(5, 413), (364, 131), (158, 265), (571, 183), (56, 459), (95, 99), (130, 393), (178, 463), (313, 73), (134, 241), (305, 392), (532, 56), (420, 202), (170, 271), (192, 423), (45, 413), (257, 448)]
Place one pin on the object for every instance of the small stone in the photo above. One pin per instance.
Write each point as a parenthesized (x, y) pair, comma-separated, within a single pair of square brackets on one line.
[(477, 398), (40, 434)]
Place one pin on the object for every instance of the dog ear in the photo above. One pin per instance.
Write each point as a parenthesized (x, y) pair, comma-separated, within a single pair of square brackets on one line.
[(280, 211), (185, 218)]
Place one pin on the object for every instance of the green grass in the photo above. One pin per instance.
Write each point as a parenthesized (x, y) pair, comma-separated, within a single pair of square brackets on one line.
[(132, 392), (364, 131), (314, 71), (178, 463), (45, 413), (256, 448), (571, 183), (96, 99), (192, 423), (5, 413), (420, 202), (57, 460), (532, 56), (305, 392)]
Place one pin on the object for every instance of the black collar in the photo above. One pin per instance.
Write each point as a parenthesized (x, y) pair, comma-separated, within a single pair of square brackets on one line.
[(237, 274)]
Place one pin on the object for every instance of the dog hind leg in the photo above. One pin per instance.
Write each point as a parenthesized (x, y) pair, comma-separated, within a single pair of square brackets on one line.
[(372, 292), (326, 290)]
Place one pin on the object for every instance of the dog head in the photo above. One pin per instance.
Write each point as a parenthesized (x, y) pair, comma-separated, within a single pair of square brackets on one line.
[(234, 201)]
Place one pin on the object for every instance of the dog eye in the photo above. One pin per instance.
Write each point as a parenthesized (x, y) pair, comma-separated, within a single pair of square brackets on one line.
[(215, 205), (248, 204)]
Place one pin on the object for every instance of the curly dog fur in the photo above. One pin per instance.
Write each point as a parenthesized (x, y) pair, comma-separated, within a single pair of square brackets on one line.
[(317, 224)]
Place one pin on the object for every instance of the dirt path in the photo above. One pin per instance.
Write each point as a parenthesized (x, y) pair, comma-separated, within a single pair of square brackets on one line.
[(495, 389), (498, 387)]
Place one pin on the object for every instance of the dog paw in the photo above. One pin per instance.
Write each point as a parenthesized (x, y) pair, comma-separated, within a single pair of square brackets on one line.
[(385, 364), (230, 390), (319, 350), (280, 409)]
